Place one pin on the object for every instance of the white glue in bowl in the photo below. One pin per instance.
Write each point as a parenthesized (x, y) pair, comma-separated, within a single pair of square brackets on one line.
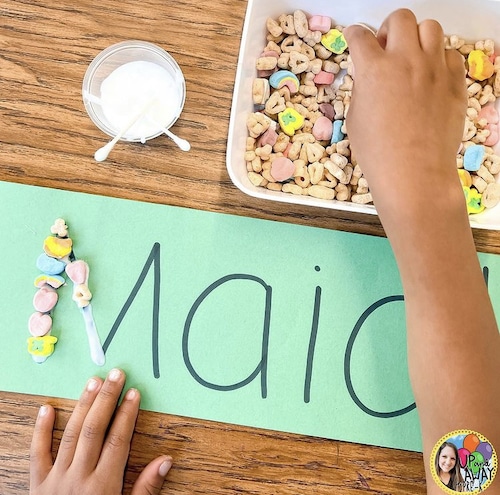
[(134, 81), (470, 19)]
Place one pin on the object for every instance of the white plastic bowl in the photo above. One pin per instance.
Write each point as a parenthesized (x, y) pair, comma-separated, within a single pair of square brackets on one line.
[(469, 19)]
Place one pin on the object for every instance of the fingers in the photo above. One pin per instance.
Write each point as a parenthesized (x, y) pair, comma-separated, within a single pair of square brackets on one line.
[(431, 37), (41, 446), (399, 31), (73, 429), (117, 444), (96, 422), (151, 479), (455, 62), (363, 44)]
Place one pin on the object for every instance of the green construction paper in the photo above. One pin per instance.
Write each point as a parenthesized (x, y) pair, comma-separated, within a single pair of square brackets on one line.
[(336, 345)]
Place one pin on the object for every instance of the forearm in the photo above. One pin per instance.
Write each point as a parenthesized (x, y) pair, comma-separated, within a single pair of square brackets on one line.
[(453, 339), (405, 123)]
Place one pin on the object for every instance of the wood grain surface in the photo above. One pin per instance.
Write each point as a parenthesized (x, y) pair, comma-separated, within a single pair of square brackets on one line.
[(223, 459), (47, 139)]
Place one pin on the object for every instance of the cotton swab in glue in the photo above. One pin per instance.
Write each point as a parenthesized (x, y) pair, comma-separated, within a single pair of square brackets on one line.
[(96, 350), (102, 153), (78, 272), (182, 143)]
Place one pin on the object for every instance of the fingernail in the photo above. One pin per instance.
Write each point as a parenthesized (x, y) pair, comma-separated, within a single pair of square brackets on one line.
[(114, 375), (43, 411), (366, 26), (165, 467), (131, 394), (92, 385)]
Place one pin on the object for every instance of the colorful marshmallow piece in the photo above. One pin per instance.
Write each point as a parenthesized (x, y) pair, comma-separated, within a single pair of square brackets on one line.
[(282, 168), (473, 199), (285, 78), (49, 265), (320, 23), (473, 157), (480, 65), (334, 41), (324, 78), (327, 110), (39, 324), (290, 121), (489, 113), (41, 348), (45, 299), (494, 136), (57, 247), (322, 129), (59, 228), (269, 137), (337, 134), (55, 281), (465, 177), (78, 271)]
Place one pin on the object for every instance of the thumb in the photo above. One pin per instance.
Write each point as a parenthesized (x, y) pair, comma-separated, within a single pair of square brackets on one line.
[(362, 42), (151, 479), (41, 446)]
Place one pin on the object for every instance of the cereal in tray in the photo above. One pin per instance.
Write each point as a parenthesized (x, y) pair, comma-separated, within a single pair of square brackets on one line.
[(297, 138)]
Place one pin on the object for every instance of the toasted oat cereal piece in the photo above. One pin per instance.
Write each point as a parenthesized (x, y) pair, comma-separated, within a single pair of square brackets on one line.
[(273, 27), (257, 179), (260, 91), (321, 192), (286, 23), (257, 124), (300, 23), (290, 187), (362, 199)]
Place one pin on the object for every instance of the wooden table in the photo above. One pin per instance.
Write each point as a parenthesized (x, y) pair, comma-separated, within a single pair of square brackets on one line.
[(47, 139)]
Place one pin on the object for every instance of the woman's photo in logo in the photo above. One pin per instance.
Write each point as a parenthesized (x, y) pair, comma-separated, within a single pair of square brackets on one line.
[(463, 461)]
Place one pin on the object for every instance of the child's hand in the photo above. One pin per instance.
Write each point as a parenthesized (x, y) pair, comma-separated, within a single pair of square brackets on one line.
[(95, 445), (407, 114)]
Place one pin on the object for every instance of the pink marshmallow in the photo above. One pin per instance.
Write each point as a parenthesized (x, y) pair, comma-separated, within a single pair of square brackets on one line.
[(282, 168), (490, 113), (266, 73), (494, 136), (78, 271), (269, 137), (322, 129), (39, 324), (44, 300), (323, 77), (320, 23)]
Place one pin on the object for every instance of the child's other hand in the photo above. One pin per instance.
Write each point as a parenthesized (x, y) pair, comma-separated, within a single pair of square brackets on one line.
[(95, 445)]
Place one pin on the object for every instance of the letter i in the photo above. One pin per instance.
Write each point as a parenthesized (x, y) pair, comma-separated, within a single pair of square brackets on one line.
[(312, 342)]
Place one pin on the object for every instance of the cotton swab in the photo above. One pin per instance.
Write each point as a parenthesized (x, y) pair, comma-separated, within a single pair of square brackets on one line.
[(102, 153), (182, 143)]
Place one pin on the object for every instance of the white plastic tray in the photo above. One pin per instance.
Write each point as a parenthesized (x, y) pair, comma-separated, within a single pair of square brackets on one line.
[(470, 19)]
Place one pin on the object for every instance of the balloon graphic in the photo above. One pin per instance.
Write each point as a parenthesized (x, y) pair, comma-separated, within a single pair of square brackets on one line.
[(463, 455), (471, 442), (475, 462), (485, 449)]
